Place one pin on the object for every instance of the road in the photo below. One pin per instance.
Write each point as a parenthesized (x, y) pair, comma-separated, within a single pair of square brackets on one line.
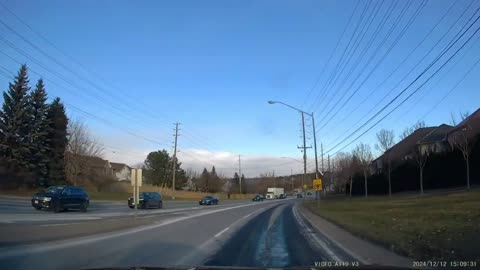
[(19, 210), (265, 234)]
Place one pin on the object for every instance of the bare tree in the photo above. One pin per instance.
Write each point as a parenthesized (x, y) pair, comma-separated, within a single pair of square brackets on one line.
[(343, 172), (421, 156), (81, 145), (453, 120), (385, 142), (364, 155), (410, 130), (463, 116), (459, 139)]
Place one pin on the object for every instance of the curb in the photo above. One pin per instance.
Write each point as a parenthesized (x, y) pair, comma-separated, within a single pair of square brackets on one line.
[(360, 249)]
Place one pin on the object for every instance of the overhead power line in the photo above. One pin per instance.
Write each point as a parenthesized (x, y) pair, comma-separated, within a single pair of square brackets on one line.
[(331, 56), (418, 64), (378, 87), (376, 65), (416, 90), (128, 103)]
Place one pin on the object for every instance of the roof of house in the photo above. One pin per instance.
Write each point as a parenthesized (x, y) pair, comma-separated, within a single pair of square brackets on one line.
[(96, 162), (118, 166), (93, 162), (405, 146), (438, 134), (472, 122)]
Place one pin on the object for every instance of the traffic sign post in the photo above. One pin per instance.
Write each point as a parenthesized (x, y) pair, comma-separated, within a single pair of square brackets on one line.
[(136, 180), (317, 186)]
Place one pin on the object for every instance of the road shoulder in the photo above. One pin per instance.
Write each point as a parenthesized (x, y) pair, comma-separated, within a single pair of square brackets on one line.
[(366, 252)]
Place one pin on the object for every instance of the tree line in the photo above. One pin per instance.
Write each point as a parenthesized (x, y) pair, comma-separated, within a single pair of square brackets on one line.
[(158, 170), (33, 135), (354, 172)]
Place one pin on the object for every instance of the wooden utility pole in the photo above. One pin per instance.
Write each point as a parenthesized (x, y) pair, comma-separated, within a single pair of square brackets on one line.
[(174, 160), (240, 173)]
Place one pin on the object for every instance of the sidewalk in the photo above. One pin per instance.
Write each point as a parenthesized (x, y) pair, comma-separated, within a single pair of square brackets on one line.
[(362, 250)]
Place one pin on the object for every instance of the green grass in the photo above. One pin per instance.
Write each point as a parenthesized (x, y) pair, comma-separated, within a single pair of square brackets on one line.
[(445, 226)]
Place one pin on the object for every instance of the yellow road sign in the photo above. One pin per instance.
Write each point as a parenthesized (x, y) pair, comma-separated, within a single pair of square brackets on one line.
[(317, 184)]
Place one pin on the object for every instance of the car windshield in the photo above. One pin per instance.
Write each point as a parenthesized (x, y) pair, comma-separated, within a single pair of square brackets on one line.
[(240, 133), (54, 190)]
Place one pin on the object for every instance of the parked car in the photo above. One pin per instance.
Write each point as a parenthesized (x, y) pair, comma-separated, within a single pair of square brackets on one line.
[(147, 200), (208, 200), (282, 196), (258, 198), (60, 198), (299, 196)]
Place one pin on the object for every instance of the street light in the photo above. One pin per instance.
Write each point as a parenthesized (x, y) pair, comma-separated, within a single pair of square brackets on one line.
[(304, 141)]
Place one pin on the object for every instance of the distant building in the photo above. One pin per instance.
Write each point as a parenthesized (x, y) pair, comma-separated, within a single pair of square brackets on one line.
[(403, 150), (436, 141), (121, 171)]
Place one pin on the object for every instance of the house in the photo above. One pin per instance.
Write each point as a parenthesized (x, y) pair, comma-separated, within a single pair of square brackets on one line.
[(436, 141), (121, 171), (403, 150), (79, 167), (469, 127), (96, 166)]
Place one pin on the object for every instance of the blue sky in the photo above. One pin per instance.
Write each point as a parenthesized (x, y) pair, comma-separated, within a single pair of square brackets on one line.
[(213, 65)]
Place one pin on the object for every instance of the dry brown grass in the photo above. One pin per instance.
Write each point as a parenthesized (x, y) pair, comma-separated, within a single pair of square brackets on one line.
[(440, 226), (122, 190)]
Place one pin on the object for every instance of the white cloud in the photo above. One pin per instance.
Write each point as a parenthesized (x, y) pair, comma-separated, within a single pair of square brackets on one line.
[(225, 163)]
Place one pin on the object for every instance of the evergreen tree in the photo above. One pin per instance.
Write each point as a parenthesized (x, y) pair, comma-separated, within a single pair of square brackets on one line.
[(213, 173), (235, 183), (204, 179), (15, 120), (58, 122), (244, 184), (158, 168), (39, 134)]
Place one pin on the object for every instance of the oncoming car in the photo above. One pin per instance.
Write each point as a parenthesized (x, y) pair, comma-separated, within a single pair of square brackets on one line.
[(147, 200), (208, 200), (61, 198), (258, 198)]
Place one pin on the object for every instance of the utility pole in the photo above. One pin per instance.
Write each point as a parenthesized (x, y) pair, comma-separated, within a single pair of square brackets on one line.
[(329, 175), (304, 152), (315, 146), (291, 178), (240, 172), (321, 147), (174, 160), (274, 179)]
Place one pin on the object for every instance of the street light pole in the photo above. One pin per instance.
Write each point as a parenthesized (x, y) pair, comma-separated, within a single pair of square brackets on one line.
[(304, 142), (304, 152), (315, 146)]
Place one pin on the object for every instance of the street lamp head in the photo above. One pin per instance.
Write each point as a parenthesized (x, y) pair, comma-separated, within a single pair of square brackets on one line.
[(271, 102)]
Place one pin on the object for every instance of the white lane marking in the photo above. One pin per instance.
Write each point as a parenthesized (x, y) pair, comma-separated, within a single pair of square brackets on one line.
[(221, 232), (226, 229), (60, 224), (36, 248), (254, 212), (315, 237), (188, 258)]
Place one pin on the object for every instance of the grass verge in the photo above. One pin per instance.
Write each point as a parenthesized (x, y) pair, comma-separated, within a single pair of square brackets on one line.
[(440, 227)]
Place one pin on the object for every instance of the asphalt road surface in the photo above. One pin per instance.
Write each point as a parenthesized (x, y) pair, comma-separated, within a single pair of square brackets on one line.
[(264, 234), (20, 210)]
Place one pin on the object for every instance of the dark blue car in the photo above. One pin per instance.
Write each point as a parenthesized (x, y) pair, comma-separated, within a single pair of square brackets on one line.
[(60, 198), (208, 200)]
